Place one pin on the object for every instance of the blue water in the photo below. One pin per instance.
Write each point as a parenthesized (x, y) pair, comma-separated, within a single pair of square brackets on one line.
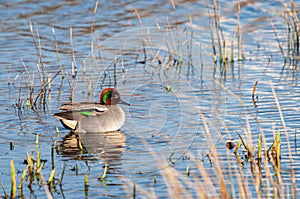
[(164, 128)]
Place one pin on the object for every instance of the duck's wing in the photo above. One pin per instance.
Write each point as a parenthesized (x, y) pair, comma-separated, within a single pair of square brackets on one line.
[(84, 106), (75, 112)]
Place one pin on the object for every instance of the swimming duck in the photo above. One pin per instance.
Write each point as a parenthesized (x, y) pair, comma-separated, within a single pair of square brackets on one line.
[(94, 117)]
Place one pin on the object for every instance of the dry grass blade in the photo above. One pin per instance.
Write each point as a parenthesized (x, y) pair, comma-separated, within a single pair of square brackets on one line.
[(4, 191), (175, 188), (254, 91), (293, 182)]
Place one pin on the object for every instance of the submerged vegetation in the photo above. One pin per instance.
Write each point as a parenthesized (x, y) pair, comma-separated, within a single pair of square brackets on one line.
[(204, 177)]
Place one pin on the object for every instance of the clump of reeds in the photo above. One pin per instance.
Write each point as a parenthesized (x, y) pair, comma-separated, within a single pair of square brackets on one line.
[(290, 48), (34, 94), (220, 45), (272, 153), (31, 173)]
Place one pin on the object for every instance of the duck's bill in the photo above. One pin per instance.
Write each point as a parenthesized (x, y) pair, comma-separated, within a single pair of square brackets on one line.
[(123, 102)]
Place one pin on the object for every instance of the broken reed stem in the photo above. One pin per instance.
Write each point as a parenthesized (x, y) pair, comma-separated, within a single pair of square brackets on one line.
[(254, 90), (57, 51), (73, 53), (73, 65), (38, 47), (93, 19), (254, 99), (34, 42), (239, 30)]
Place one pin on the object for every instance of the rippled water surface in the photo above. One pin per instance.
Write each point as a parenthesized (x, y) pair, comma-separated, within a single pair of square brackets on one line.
[(160, 59)]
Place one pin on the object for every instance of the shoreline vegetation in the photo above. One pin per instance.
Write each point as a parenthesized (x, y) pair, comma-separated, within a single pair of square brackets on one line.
[(263, 159)]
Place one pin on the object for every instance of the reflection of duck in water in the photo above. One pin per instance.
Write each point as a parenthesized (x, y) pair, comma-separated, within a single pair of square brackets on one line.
[(109, 145), (94, 117)]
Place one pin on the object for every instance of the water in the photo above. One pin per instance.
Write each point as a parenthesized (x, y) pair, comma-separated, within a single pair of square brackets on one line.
[(171, 104)]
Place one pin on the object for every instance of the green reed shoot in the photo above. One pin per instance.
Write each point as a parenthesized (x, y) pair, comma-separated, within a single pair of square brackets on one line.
[(38, 170), (86, 180), (29, 164), (13, 180), (275, 147), (259, 147), (28, 103), (104, 172), (278, 145), (86, 184), (187, 171), (80, 146), (51, 177), (22, 178), (57, 132)]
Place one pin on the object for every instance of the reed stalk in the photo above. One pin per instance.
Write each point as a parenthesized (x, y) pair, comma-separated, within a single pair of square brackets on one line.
[(13, 180)]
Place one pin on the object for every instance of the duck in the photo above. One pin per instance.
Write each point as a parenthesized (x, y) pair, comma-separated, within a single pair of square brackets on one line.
[(84, 117)]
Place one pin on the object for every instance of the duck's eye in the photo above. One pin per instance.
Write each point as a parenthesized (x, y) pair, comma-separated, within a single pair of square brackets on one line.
[(114, 95)]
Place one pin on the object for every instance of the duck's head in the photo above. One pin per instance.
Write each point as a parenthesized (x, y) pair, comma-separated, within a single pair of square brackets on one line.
[(110, 96)]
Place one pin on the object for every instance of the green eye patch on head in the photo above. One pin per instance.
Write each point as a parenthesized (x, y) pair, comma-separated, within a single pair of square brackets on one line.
[(107, 95)]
